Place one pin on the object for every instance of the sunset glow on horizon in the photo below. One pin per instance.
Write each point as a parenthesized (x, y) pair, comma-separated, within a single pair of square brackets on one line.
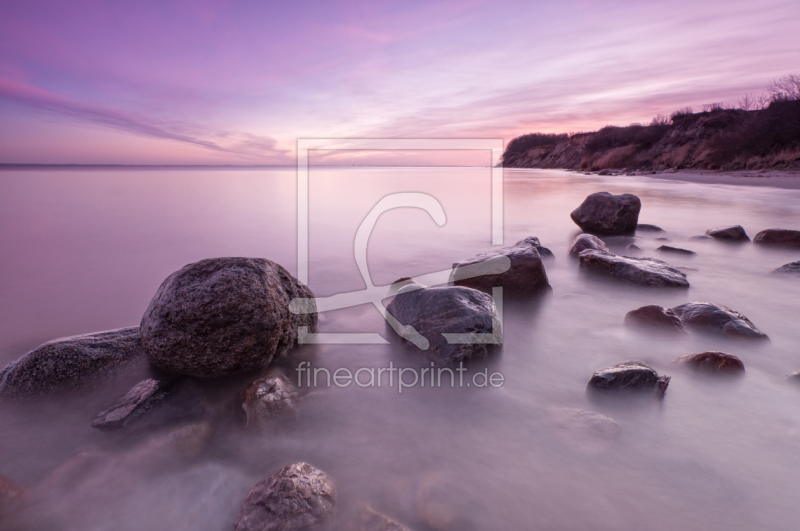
[(223, 82)]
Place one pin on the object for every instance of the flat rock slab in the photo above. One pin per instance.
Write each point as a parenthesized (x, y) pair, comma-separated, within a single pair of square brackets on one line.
[(792, 268), (72, 363), (627, 377), (432, 312), (525, 277), (656, 317), (585, 242), (641, 271), (294, 498), (734, 233), (713, 362), (717, 319), (778, 237), (675, 250), (142, 397), (224, 316), (604, 213)]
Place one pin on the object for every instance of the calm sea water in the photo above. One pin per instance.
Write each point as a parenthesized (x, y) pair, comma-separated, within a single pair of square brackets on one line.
[(84, 251)]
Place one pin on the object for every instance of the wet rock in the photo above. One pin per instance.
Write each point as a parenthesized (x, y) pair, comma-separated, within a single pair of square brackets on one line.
[(641, 271), (603, 213), (715, 318), (713, 363), (794, 377), (792, 268), (526, 276), (72, 363), (269, 398), (644, 227), (655, 317), (140, 399), (583, 242), (224, 316), (632, 248), (629, 376), (368, 519), (734, 233), (425, 314), (675, 250), (294, 498), (778, 237)]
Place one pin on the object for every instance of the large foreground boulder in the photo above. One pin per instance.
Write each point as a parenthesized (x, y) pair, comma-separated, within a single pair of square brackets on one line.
[(526, 276), (733, 233), (654, 317), (297, 497), (424, 315), (603, 213), (778, 237), (717, 319), (641, 271), (72, 363), (629, 376), (713, 362), (223, 316), (584, 242)]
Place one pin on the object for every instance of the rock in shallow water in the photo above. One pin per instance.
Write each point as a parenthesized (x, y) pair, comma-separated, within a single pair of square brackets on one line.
[(223, 316), (294, 498), (644, 227), (526, 276), (433, 312), (72, 363), (713, 363), (778, 237), (715, 318), (642, 271), (675, 250), (734, 233), (603, 213), (792, 268), (270, 398), (584, 242), (627, 377), (368, 519), (655, 317), (142, 397)]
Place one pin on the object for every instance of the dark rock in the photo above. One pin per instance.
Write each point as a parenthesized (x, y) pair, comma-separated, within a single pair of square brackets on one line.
[(604, 172), (713, 363), (368, 519), (526, 276), (734, 233), (294, 498), (582, 242), (709, 317), (644, 227), (655, 317), (632, 247), (72, 363), (792, 268), (778, 237), (533, 241), (701, 237), (425, 314), (629, 376), (662, 239), (224, 316), (603, 213), (642, 271), (269, 398), (140, 399), (675, 250)]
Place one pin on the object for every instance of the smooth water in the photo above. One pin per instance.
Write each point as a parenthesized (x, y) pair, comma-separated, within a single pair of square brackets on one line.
[(85, 250)]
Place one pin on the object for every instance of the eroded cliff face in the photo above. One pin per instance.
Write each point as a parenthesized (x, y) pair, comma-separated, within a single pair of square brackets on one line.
[(727, 139)]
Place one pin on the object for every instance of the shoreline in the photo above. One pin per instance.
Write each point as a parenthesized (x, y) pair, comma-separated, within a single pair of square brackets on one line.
[(786, 179)]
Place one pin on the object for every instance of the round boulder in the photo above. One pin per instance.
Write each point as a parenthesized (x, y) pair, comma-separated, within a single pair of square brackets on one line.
[(655, 317), (715, 318), (778, 237), (713, 363), (603, 213), (629, 376), (224, 316)]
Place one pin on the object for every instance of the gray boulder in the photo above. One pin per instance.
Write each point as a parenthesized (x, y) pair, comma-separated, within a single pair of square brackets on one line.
[(72, 363), (734, 233), (224, 316), (641, 271), (778, 237), (627, 377), (603, 213), (655, 317), (583, 242), (717, 319), (792, 268), (713, 363), (526, 276), (424, 315), (297, 497)]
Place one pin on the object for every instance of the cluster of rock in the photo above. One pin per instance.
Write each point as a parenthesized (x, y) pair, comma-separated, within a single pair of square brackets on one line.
[(704, 317)]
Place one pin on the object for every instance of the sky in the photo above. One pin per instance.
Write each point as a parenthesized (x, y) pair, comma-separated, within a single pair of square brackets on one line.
[(239, 81)]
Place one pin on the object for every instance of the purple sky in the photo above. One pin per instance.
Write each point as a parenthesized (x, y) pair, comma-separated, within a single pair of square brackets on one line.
[(237, 82)]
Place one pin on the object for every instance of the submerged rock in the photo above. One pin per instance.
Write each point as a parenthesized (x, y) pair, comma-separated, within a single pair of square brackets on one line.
[(675, 250), (603, 213), (715, 318), (583, 242), (734, 232), (140, 399), (644, 227), (713, 363), (655, 317), (11, 495), (223, 316), (585, 431), (778, 237), (368, 519), (294, 498), (792, 268), (629, 376), (526, 276), (71, 363), (270, 397), (642, 271), (426, 314)]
